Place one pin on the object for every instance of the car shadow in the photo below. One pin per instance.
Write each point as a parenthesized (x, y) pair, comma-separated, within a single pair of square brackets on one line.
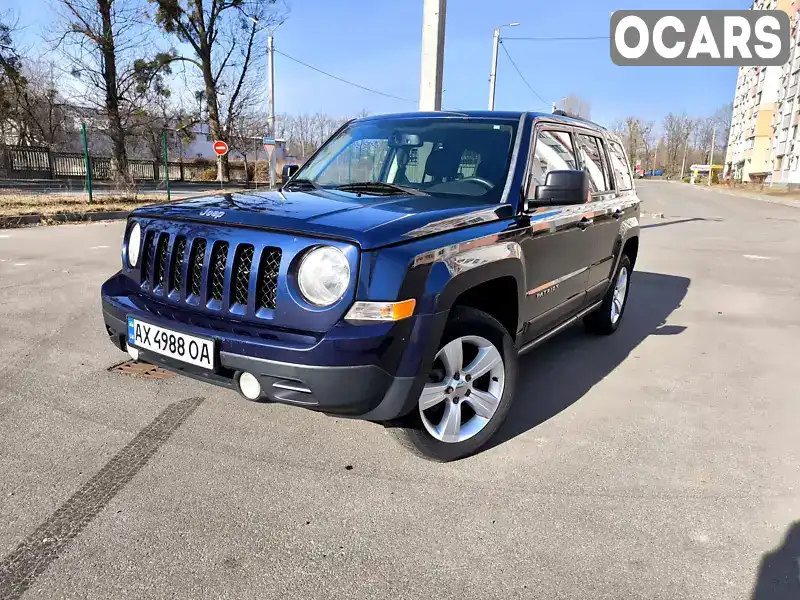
[(779, 571), (559, 372), (679, 221)]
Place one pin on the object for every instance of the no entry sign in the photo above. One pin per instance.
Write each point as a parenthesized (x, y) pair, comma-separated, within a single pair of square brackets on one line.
[(220, 148)]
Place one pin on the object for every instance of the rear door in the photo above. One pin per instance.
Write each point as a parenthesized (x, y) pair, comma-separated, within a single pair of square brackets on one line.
[(601, 212), (554, 246)]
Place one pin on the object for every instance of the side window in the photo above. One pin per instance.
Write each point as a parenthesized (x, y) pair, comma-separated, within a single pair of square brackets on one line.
[(553, 152), (620, 166), (591, 151)]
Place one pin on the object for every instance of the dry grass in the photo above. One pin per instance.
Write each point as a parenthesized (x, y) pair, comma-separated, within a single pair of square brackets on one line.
[(754, 191), (14, 204), (19, 202)]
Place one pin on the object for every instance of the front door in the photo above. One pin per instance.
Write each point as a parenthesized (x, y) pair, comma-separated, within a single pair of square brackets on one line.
[(554, 247)]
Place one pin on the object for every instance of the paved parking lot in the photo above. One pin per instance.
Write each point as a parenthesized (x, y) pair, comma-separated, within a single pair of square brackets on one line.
[(663, 462)]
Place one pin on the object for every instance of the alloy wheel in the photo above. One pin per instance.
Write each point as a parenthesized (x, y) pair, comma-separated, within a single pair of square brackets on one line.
[(465, 389)]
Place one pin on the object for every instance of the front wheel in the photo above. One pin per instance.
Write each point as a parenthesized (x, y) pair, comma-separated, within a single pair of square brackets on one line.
[(469, 389)]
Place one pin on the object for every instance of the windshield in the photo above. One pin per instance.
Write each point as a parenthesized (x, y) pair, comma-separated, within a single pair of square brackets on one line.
[(448, 157)]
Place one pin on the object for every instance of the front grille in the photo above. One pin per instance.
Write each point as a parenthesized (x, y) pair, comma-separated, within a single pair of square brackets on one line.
[(196, 267), (219, 260), (161, 260), (183, 268), (267, 287), (240, 281), (147, 251), (176, 268)]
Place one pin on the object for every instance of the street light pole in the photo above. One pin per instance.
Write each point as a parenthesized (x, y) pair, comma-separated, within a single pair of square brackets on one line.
[(271, 69), (493, 72)]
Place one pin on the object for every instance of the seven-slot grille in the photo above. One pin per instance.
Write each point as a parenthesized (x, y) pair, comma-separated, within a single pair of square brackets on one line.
[(162, 250)]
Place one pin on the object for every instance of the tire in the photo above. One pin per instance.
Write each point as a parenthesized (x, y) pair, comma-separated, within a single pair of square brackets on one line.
[(607, 319), (478, 405)]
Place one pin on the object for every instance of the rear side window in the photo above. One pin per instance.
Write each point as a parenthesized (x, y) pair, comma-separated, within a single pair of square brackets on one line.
[(591, 151), (619, 164), (554, 152)]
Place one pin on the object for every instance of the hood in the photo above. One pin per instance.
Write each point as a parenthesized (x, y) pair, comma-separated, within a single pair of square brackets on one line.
[(369, 221)]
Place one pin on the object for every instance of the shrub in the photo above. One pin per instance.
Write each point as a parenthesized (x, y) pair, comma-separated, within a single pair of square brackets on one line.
[(209, 174)]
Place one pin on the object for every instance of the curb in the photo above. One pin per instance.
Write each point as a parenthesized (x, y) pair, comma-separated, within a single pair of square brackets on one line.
[(23, 220), (769, 199)]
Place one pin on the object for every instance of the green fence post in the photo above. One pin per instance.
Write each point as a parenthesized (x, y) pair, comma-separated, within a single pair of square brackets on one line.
[(166, 162), (88, 163)]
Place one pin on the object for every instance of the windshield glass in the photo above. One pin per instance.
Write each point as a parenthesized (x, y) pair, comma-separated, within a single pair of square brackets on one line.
[(447, 157)]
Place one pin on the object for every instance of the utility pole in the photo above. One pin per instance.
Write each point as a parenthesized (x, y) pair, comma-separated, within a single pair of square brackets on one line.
[(271, 69), (685, 151), (493, 72), (434, 13), (655, 156), (711, 159)]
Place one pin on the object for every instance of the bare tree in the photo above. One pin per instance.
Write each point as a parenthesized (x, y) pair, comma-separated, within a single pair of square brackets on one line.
[(222, 36), (575, 105), (677, 129), (100, 40), (637, 137)]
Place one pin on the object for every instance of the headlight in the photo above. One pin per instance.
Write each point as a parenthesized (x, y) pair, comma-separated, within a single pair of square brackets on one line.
[(324, 275), (134, 244)]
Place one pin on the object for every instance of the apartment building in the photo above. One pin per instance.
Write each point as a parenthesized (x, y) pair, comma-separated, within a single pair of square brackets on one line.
[(785, 137), (758, 118)]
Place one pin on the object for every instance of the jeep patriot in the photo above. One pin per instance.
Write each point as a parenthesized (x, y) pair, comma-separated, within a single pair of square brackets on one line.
[(396, 276)]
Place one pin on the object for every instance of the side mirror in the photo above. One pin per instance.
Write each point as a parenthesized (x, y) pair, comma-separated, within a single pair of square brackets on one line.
[(288, 172), (560, 188)]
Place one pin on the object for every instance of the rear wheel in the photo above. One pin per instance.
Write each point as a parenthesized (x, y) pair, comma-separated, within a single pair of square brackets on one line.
[(469, 389), (606, 319)]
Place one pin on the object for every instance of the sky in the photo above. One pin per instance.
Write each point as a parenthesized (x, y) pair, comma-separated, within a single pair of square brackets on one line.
[(376, 43)]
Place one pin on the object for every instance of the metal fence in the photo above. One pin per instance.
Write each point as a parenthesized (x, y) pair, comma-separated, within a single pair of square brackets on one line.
[(41, 163)]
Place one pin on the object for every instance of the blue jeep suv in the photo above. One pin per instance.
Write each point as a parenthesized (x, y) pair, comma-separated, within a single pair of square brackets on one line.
[(396, 276)]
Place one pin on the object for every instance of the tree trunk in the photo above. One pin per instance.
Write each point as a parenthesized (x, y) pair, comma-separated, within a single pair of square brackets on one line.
[(212, 106), (119, 156)]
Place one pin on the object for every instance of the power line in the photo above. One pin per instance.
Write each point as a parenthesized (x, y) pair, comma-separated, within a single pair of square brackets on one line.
[(535, 93), (343, 80), (560, 39)]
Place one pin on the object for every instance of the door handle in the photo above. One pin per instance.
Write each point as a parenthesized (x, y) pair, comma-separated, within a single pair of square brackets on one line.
[(584, 223), (617, 214)]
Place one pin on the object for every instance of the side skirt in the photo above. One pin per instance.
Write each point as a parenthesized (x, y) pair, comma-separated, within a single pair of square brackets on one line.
[(546, 336)]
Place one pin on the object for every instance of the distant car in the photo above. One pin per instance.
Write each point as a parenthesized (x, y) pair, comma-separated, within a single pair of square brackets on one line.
[(396, 276)]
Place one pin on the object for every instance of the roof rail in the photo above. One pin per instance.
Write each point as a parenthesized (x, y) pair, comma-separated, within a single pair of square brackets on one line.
[(563, 113)]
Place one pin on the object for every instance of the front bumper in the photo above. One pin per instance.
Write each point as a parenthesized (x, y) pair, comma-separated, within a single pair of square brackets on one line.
[(367, 372)]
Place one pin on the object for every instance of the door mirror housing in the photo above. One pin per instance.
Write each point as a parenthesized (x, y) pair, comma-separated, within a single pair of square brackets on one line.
[(288, 172), (560, 188)]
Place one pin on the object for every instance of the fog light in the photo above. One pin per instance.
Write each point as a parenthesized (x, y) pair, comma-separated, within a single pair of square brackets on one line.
[(249, 386), (133, 352)]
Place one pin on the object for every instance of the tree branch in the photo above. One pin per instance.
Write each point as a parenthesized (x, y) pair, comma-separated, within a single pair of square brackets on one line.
[(243, 74)]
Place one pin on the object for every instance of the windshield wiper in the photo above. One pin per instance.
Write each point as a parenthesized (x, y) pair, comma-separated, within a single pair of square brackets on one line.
[(379, 187), (305, 183)]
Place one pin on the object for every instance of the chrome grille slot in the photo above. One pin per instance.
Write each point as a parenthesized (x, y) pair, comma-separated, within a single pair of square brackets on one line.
[(161, 260), (240, 281), (176, 268), (267, 287), (196, 267), (219, 260), (147, 250)]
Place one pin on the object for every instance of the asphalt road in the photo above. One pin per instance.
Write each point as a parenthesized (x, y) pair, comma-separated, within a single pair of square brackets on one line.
[(662, 462)]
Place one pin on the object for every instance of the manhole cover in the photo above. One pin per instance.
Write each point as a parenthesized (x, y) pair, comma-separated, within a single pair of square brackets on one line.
[(132, 367)]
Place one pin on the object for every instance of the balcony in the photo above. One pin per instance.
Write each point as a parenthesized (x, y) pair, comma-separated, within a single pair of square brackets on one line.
[(780, 150)]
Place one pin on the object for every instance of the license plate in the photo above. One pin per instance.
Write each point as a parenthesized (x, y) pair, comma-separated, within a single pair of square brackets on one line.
[(186, 348)]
